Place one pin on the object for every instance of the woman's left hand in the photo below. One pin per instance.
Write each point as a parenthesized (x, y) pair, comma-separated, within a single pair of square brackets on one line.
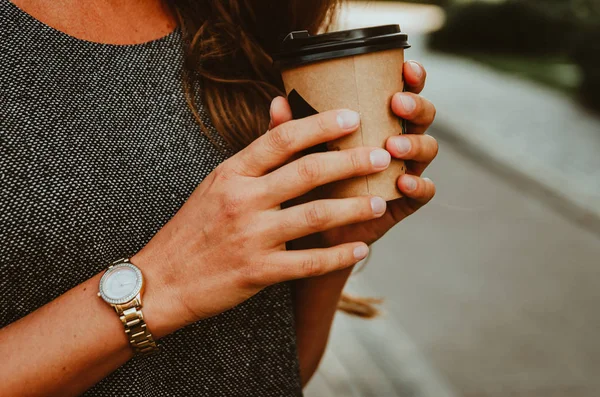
[(416, 148)]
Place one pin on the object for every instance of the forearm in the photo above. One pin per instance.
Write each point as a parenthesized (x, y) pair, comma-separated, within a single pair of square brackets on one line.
[(64, 347), (315, 305), (68, 345)]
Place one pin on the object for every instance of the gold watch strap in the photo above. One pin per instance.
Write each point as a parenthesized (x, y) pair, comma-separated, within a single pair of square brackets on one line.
[(131, 316), (140, 337)]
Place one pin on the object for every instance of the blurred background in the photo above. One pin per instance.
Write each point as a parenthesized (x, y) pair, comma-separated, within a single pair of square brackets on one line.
[(494, 288)]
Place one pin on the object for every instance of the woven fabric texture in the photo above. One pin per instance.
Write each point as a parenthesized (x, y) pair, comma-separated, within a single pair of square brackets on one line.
[(98, 150)]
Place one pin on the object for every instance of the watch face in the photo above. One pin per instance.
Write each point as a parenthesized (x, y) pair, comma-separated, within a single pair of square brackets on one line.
[(121, 283)]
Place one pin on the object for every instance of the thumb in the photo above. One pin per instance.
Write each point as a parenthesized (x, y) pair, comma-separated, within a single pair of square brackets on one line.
[(280, 112)]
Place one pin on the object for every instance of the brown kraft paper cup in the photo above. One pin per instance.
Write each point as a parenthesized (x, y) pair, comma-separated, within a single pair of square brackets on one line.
[(362, 77)]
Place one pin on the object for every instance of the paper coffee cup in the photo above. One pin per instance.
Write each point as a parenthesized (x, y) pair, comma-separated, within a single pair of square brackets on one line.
[(359, 69)]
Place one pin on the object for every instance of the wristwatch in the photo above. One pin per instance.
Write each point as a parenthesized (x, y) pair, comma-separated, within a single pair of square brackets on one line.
[(122, 286)]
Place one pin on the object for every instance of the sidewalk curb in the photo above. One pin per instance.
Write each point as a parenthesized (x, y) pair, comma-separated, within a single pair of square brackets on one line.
[(559, 202)]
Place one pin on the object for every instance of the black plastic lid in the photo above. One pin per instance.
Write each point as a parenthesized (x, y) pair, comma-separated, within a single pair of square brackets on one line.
[(299, 48)]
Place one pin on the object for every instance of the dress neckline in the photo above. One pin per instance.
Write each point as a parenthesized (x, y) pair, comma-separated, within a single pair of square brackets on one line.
[(175, 33)]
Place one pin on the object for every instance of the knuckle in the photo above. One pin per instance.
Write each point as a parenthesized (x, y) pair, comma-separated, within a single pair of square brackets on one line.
[(258, 193), (340, 259), (254, 274), (284, 225), (316, 216), (280, 138), (322, 125), (309, 169), (224, 171), (312, 266), (434, 112), (231, 204), (356, 161)]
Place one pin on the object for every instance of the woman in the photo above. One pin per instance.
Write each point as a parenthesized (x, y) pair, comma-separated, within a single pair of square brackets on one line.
[(137, 129)]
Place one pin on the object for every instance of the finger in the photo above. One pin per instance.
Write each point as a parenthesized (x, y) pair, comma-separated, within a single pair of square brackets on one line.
[(413, 108), (273, 148), (317, 169), (416, 168), (414, 76), (280, 112), (416, 129), (319, 215), (417, 192), (291, 265), (419, 189), (420, 148)]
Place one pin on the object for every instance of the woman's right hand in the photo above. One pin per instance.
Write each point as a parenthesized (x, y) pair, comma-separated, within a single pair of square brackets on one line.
[(227, 242)]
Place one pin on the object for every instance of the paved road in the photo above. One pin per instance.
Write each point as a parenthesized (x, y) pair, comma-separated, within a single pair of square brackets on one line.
[(498, 292)]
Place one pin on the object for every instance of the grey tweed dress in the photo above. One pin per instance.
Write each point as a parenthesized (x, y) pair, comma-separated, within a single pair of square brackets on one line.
[(98, 150)]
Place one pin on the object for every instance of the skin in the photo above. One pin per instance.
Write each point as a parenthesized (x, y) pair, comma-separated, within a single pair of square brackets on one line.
[(104, 21), (78, 339)]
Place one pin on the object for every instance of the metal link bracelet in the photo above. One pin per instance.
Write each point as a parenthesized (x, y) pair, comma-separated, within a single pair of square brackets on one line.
[(130, 314), (140, 338)]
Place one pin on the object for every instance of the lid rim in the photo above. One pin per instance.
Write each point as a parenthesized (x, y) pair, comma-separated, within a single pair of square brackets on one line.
[(324, 47), (393, 26), (303, 48), (305, 59)]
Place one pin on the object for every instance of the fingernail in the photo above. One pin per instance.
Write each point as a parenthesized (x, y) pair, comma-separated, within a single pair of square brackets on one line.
[(416, 68), (410, 184), (378, 205), (380, 158), (348, 119), (402, 144), (408, 103), (361, 252)]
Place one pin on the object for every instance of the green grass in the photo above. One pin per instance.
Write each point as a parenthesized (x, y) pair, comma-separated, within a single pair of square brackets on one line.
[(559, 73)]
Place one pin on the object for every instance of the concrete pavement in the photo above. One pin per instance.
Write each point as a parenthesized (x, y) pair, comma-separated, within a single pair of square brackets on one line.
[(497, 292)]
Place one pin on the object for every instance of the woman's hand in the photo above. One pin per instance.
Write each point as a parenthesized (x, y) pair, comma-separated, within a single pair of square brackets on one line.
[(416, 148), (227, 242)]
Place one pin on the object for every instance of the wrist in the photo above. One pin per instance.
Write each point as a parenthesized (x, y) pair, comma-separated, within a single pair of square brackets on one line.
[(159, 301)]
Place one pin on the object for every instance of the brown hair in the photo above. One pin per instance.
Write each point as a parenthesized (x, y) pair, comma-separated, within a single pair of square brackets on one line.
[(229, 68)]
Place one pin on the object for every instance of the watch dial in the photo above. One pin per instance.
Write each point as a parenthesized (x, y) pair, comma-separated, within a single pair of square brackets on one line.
[(120, 283)]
